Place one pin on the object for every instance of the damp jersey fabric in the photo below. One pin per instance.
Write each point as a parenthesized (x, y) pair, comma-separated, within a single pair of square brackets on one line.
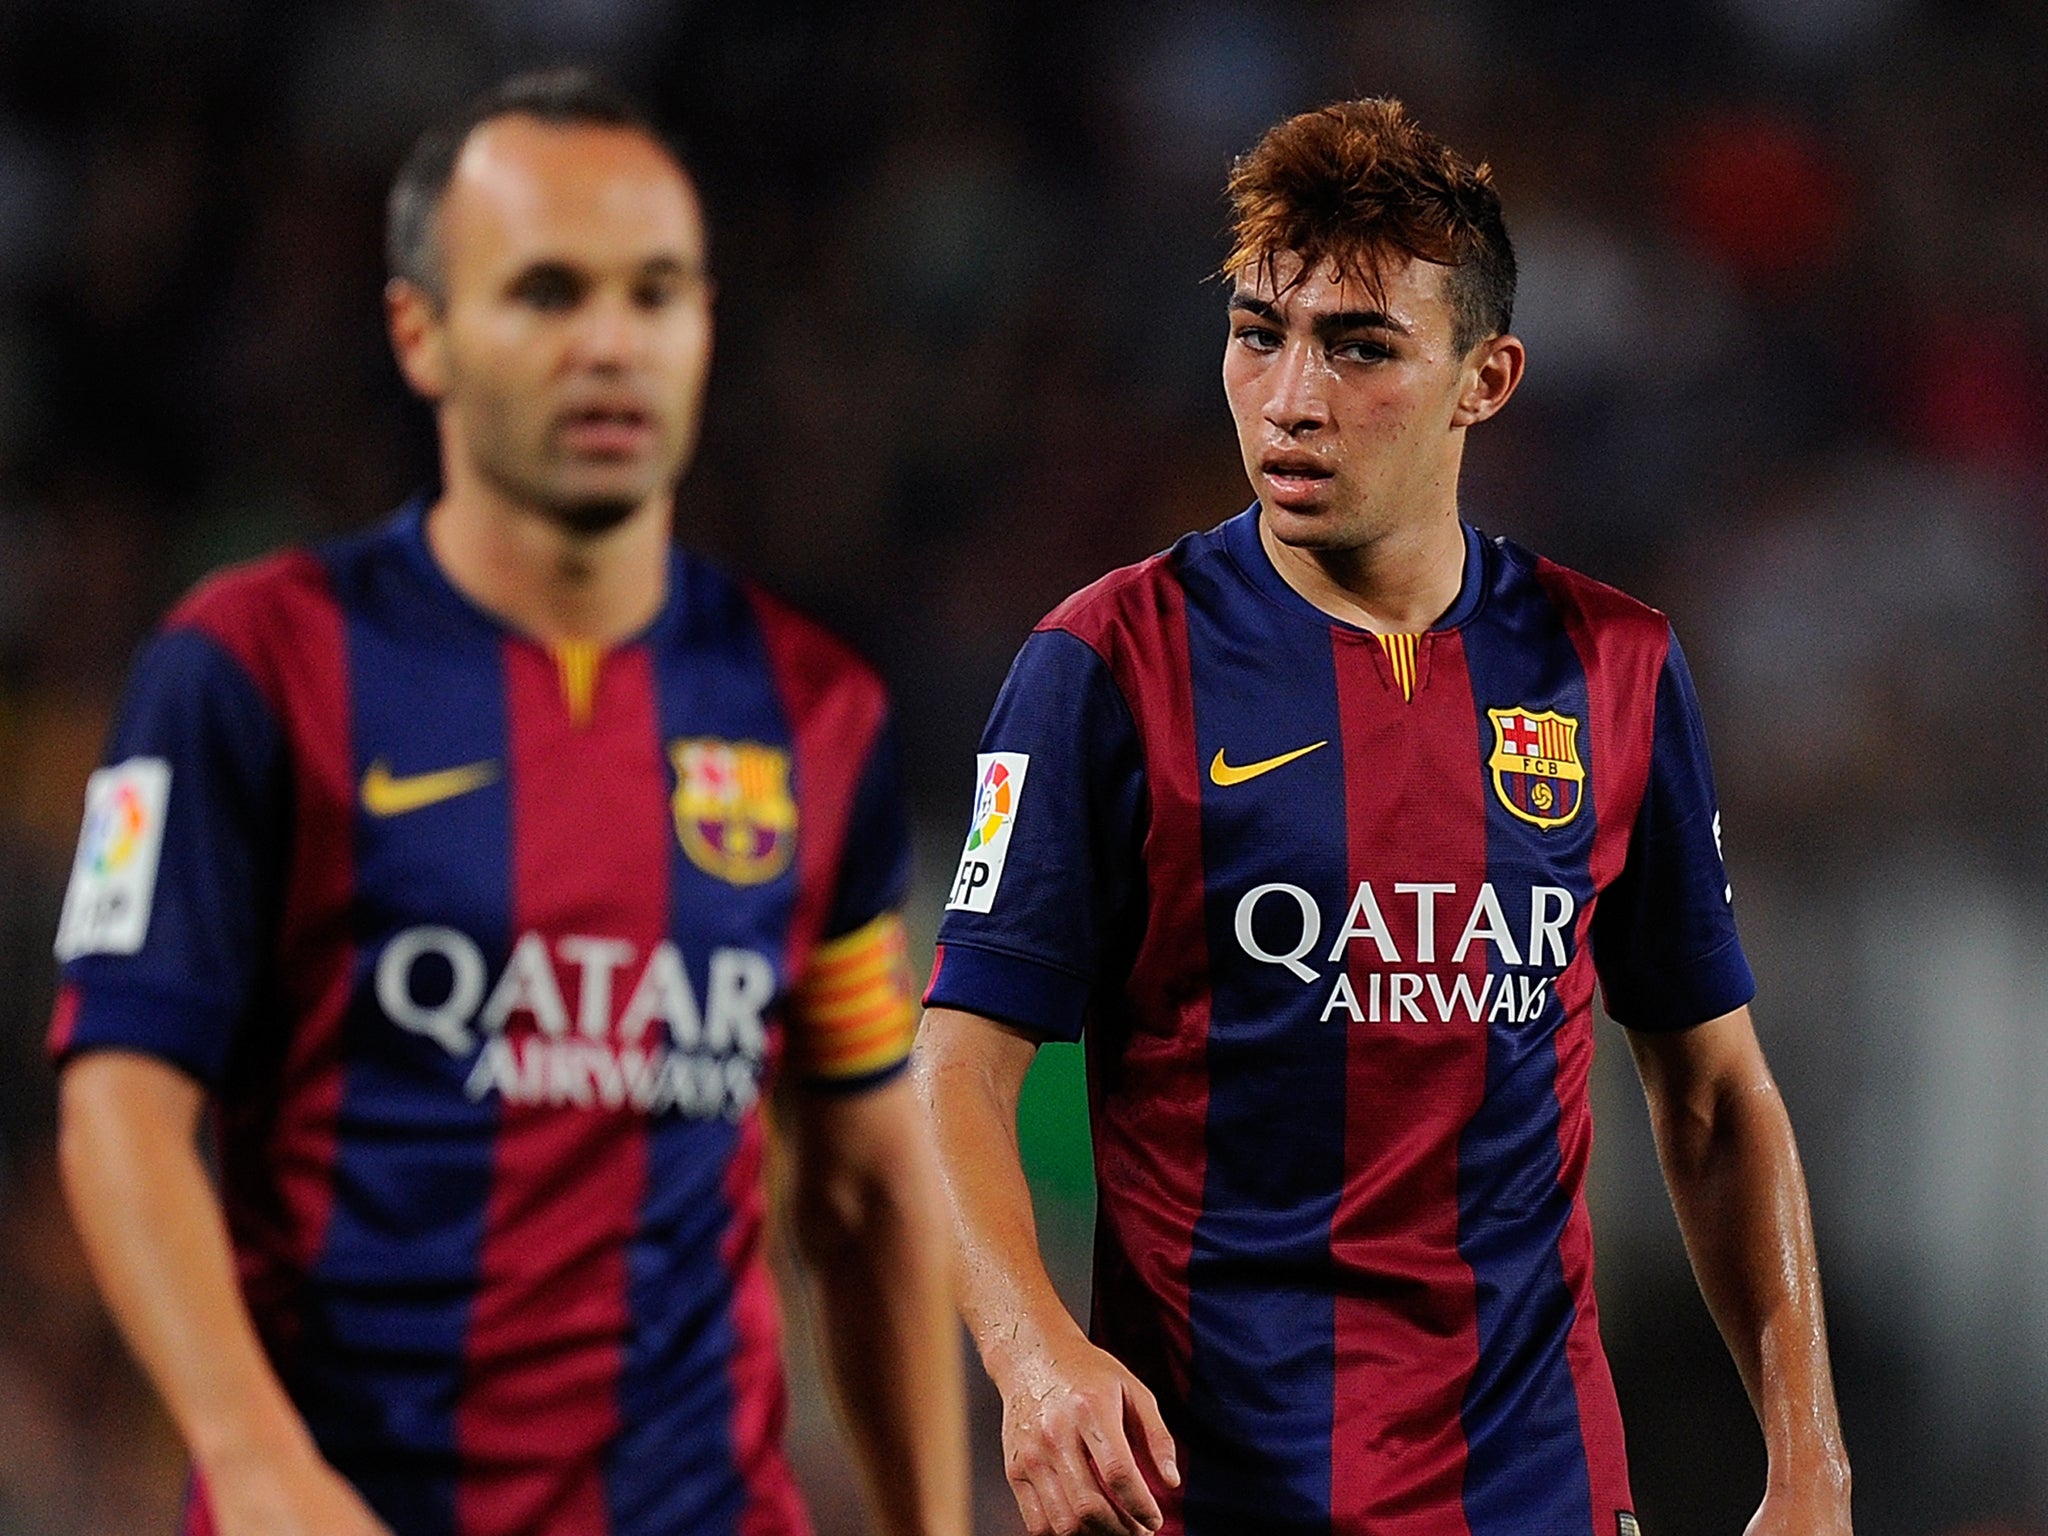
[(488, 953), (1328, 911)]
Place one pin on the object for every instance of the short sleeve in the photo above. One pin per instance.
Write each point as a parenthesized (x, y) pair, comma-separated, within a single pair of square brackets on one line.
[(853, 1012), (1049, 881), (874, 868), (1664, 939), (179, 861)]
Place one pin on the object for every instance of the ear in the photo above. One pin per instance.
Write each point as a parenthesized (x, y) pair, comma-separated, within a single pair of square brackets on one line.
[(419, 337), (1492, 370)]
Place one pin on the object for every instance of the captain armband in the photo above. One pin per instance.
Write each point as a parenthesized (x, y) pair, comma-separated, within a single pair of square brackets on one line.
[(854, 1014)]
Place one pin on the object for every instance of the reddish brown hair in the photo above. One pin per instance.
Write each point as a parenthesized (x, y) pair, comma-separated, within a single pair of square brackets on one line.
[(1356, 182)]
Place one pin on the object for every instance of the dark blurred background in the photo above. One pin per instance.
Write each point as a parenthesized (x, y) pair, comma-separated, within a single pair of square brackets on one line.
[(1785, 289)]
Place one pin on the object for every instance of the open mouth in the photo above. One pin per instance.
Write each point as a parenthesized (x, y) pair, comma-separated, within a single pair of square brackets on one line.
[(606, 430), (1295, 477)]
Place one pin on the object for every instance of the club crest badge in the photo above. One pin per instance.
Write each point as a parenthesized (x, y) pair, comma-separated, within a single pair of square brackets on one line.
[(1536, 769), (734, 813)]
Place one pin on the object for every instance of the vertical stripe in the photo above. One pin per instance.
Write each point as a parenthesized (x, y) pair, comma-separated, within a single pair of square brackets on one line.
[(1405, 1330), (834, 707), (1149, 1088), (1523, 1412), (588, 859), (700, 1391), (380, 1363), (280, 1129), (1621, 685), (278, 1147), (1261, 1302)]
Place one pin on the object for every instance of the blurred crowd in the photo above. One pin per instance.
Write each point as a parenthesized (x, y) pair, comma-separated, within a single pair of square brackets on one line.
[(1784, 286)]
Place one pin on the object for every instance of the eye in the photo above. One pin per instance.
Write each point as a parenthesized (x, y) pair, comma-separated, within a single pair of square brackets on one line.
[(1361, 351), (1259, 338), (657, 292), (549, 289)]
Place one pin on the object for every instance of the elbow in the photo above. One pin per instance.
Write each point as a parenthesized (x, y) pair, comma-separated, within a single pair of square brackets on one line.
[(837, 1216)]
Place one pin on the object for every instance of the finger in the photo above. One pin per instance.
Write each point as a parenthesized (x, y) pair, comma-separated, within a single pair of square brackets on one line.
[(1079, 1490), (1030, 1507), (1141, 1413), (1116, 1471)]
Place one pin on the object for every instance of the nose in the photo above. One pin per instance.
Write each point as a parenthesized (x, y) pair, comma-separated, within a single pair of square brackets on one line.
[(608, 333), (1297, 400)]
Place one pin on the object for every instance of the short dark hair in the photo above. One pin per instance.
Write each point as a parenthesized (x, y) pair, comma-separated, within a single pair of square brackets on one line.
[(1353, 182), (566, 96)]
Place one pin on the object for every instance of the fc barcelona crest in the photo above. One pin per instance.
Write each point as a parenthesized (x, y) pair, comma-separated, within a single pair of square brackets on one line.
[(1536, 769), (734, 813)]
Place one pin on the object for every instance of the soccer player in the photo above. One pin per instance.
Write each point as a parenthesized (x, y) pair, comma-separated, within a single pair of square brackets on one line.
[(482, 872), (1318, 827)]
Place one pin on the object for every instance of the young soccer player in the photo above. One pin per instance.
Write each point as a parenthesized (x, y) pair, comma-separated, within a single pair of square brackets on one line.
[(1318, 828)]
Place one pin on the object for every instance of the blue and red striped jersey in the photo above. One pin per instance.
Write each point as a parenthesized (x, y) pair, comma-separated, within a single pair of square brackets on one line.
[(489, 950), (1329, 909)]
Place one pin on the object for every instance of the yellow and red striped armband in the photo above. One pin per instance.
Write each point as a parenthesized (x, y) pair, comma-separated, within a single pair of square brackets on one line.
[(854, 1013)]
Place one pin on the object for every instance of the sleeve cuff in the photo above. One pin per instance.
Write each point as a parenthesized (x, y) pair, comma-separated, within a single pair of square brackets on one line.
[(1678, 999), (1025, 993), (189, 1035)]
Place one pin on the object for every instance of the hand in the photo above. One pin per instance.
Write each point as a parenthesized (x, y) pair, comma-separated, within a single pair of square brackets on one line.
[(1807, 1511), (288, 1495), (1070, 1417)]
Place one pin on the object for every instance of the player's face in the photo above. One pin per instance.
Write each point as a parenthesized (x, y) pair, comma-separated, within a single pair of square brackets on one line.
[(1351, 411), (575, 328)]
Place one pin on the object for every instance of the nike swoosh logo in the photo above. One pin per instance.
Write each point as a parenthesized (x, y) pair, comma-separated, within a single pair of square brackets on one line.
[(1222, 773), (386, 795)]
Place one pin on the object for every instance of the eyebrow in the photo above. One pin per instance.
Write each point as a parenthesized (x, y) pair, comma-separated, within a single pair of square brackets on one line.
[(1324, 325)]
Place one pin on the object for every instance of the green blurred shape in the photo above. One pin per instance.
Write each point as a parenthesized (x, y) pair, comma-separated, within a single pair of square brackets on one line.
[(1052, 1126)]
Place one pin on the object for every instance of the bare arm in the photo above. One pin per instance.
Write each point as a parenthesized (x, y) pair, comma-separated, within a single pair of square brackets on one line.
[(1071, 1413), (153, 1229), (1733, 1168), (870, 1221)]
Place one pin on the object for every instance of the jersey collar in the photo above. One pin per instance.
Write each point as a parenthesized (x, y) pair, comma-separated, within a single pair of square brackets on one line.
[(1241, 540)]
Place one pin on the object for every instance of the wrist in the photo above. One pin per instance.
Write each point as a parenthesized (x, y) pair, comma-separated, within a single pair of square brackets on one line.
[(1016, 1346), (230, 1443)]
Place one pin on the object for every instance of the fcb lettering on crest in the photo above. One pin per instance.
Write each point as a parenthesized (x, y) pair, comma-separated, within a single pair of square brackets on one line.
[(1536, 769), (734, 813)]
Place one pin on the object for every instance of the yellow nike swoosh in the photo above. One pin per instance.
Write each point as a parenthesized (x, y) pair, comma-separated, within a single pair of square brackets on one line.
[(1222, 773), (385, 795)]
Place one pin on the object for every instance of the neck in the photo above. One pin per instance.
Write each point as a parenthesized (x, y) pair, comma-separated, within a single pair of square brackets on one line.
[(1401, 582), (549, 581)]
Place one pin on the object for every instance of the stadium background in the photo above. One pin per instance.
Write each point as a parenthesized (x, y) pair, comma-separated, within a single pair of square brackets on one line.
[(1785, 287)]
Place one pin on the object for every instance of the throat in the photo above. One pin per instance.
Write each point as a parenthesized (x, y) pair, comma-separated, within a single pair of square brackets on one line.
[(1400, 583)]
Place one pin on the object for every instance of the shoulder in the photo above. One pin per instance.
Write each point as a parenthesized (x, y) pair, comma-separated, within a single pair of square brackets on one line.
[(1129, 610), (262, 613), (240, 600), (1593, 611), (811, 667)]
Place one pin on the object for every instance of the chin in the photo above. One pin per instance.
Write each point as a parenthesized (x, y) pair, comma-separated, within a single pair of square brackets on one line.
[(1320, 528), (593, 515)]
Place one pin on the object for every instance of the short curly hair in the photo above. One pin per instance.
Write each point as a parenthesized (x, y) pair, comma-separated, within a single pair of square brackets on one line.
[(1355, 182)]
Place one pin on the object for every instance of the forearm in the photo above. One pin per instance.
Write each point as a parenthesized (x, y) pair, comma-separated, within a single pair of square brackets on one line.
[(154, 1233), (1006, 1297), (1736, 1182), (892, 1351)]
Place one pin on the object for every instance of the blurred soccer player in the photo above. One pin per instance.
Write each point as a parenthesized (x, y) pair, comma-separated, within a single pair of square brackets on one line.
[(1319, 825), (478, 871)]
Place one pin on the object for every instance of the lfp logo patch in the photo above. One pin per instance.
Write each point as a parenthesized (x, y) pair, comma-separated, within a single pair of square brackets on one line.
[(997, 794), (113, 878), (734, 813), (1536, 769)]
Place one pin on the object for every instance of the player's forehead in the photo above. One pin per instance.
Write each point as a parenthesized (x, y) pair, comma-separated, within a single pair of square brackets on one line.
[(1401, 286), (524, 190)]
